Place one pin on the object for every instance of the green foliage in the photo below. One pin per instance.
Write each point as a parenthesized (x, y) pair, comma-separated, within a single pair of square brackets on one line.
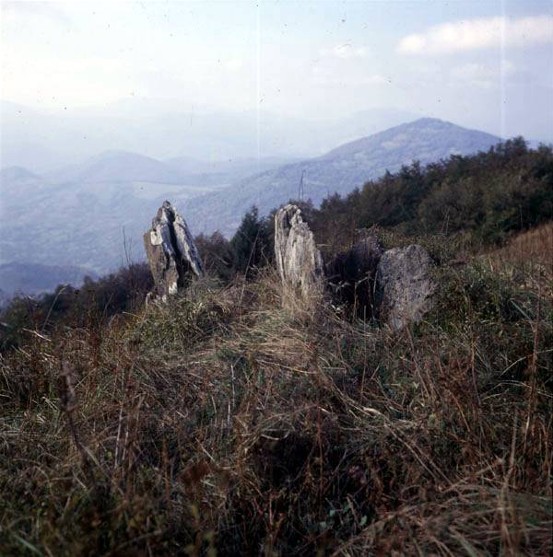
[(93, 303), (191, 317), (251, 245), (217, 256), (489, 196), (18, 316)]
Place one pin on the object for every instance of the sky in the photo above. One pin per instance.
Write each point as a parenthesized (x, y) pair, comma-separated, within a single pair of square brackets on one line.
[(486, 64)]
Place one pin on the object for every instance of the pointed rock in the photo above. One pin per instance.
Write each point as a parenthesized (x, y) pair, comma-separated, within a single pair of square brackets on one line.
[(299, 261), (172, 254)]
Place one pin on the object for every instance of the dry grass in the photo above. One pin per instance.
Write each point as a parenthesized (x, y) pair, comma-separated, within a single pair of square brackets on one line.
[(223, 424), (527, 259), (534, 246)]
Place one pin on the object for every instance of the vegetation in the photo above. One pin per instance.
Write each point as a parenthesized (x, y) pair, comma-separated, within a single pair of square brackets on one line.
[(91, 305), (481, 199), (220, 424)]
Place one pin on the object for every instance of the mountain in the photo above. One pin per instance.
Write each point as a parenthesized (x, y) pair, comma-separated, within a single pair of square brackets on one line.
[(16, 182), (93, 215), (225, 171), (45, 140), (90, 215), (32, 278), (248, 165), (12, 173), (340, 170), (119, 166)]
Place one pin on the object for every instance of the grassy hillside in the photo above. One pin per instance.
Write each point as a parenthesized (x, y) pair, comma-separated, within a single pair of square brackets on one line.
[(219, 424)]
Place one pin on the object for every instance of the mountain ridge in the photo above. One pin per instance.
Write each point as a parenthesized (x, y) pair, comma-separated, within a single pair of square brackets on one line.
[(338, 171), (92, 224)]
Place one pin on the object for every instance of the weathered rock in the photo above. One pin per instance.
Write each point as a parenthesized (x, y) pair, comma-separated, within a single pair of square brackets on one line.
[(172, 254), (298, 259), (351, 275), (404, 286)]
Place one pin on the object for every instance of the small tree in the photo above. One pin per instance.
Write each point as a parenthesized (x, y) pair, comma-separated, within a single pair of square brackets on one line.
[(217, 255), (251, 245)]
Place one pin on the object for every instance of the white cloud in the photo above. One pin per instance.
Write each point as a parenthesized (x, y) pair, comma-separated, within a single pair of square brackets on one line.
[(481, 33), (17, 12), (345, 51), (234, 64), (374, 79)]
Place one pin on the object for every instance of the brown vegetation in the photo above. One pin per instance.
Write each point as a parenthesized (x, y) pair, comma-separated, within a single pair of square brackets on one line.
[(219, 424)]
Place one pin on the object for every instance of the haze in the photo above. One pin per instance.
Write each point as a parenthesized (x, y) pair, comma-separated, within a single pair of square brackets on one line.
[(291, 72)]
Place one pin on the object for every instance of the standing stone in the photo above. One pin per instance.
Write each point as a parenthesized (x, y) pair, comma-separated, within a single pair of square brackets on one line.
[(404, 286), (171, 251), (299, 262)]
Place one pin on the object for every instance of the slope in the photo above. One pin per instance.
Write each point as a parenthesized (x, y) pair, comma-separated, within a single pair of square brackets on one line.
[(341, 170)]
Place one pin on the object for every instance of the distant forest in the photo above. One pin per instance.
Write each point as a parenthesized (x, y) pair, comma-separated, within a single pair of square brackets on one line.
[(486, 197)]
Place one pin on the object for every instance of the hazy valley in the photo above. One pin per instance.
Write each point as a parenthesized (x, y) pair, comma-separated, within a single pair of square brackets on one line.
[(90, 216)]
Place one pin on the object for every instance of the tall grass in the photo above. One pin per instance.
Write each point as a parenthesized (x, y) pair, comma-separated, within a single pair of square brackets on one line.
[(221, 424)]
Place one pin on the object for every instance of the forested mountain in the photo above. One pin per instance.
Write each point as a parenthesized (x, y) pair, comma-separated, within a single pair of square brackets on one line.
[(471, 202), (339, 171), (483, 197)]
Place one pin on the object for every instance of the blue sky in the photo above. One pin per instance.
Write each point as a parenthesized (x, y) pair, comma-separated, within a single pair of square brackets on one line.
[(486, 64)]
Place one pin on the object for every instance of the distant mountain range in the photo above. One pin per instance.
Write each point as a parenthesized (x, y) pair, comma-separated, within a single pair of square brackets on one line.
[(125, 167), (92, 215), (46, 140), (340, 170), (33, 278)]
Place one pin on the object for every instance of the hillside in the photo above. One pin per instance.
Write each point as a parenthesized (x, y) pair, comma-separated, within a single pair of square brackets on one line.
[(35, 279), (104, 204), (341, 170), (233, 420), (233, 168), (16, 173), (222, 424), (118, 166)]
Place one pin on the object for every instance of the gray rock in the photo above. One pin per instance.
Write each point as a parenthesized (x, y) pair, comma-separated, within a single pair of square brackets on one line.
[(299, 261), (404, 286), (172, 254)]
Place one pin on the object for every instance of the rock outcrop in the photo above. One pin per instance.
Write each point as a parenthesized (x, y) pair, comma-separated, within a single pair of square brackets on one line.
[(172, 254), (404, 286), (351, 275), (298, 259)]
